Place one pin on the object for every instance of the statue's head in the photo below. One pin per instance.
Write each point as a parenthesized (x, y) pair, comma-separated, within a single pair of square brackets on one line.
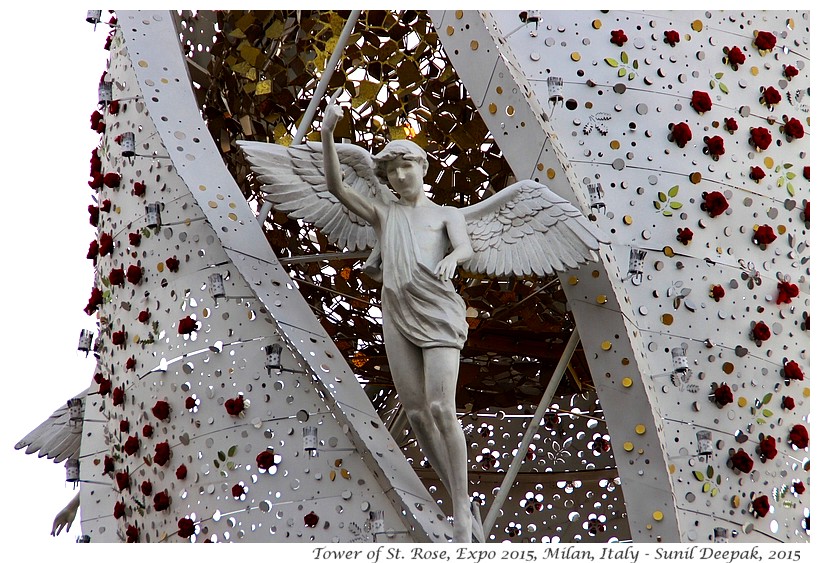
[(407, 150)]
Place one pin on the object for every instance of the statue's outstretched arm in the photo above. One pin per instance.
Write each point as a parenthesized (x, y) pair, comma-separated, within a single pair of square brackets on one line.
[(66, 516)]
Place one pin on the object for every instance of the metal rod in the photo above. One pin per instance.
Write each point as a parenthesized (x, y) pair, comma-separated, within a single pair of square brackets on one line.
[(535, 423), (318, 94)]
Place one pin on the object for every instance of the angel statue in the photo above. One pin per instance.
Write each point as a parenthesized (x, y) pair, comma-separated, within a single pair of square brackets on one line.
[(417, 247)]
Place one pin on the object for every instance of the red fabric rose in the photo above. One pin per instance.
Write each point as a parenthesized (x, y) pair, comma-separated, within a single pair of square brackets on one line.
[(618, 37), (139, 189), (787, 403), (723, 395), (93, 251), (792, 371), (714, 203), (134, 239), (134, 274), (96, 181), (265, 460), (190, 403), (93, 215), (147, 488), (124, 425), (105, 387), (799, 436), (106, 244), (701, 101), (116, 276), (717, 292), (311, 520), (144, 316), (97, 122), (741, 461), (132, 534), (130, 363), (790, 72), (681, 134), (714, 145), (770, 97), (186, 528), (237, 490), (132, 445), (807, 172), (756, 173), (187, 325), (118, 396), (734, 57), (123, 480), (119, 510), (768, 448), (172, 263), (108, 465), (764, 235), (730, 124), (105, 206), (112, 180), (671, 36), (114, 107), (685, 235), (760, 506), (807, 211), (94, 301), (235, 406), (765, 41), (118, 338), (799, 488), (161, 410), (793, 128), (96, 161), (147, 431), (162, 453), (761, 331), (761, 138), (161, 501), (182, 472), (785, 292)]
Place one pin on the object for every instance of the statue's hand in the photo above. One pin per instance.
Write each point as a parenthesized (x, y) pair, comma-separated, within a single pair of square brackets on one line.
[(64, 519), (333, 114), (446, 268)]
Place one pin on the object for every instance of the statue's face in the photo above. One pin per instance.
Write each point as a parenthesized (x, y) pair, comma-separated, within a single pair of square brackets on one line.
[(405, 176)]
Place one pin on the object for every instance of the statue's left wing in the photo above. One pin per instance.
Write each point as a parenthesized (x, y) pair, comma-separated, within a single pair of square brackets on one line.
[(58, 437), (526, 229)]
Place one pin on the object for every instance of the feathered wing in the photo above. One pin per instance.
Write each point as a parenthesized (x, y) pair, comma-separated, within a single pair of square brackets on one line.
[(57, 437), (526, 229), (294, 180)]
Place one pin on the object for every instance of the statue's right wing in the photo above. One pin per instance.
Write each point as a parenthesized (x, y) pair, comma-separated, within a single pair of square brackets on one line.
[(294, 180), (58, 437)]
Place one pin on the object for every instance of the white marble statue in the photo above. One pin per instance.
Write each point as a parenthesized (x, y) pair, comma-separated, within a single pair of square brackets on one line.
[(418, 245)]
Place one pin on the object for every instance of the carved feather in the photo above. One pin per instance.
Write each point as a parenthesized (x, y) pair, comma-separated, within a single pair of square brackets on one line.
[(56, 438)]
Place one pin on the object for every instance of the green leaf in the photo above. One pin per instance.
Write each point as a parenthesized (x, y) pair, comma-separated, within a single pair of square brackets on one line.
[(662, 196), (790, 175), (631, 76), (698, 475), (723, 88), (780, 182), (714, 492), (611, 62), (719, 479), (667, 213), (788, 165), (635, 64), (673, 191), (105, 282), (221, 456), (711, 84), (231, 465), (707, 487), (621, 72), (216, 464), (107, 296), (710, 472), (761, 421), (767, 413), (675, 205), (624, 57), (146, 232), (790, 189), (766, 398), (718, 75), (657, 204), (232, 451)]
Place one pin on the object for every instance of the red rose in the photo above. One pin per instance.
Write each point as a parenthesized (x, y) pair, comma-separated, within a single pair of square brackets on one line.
[(105, 205), (132, 445), (799, 436), (112, 180), (106, 244), (768, 448), (96, 181), (96, 161), (190, 403), (161, 410), (723, 395), (162, 453), (770, 97), (790, 72), (799, 488), (237, 490), (807, 211), (144, 316), (792, 371), (714, 203), (118, 338), (757, 173), (265, 460), (761, 331), (701, 101), (787, 403), (146, 488), (187, 325), (116, 276), (793, 128), (786, 291), (108, 465), (172, 263), (681, 134), (186, 528), (134, 274), (134, 239), (741, 461), (761, 138), (311, 520), (114, 107), (118, 396), (94, 301), (123, 480), (618, 37), (147, 431), (685, 235), (235, 406), (119, 510), (130, 363), (765, 41), (161, 501), (671, 37), (730, 124), (807, 172), (132, 534), (124, 426), (760, 506), (93, 215), (93, 251), (714, 145), (108, 40), (717, 292), (182, 472), (97, 121), (105, 387), (734, 57), (139, 189), (764, 235)]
